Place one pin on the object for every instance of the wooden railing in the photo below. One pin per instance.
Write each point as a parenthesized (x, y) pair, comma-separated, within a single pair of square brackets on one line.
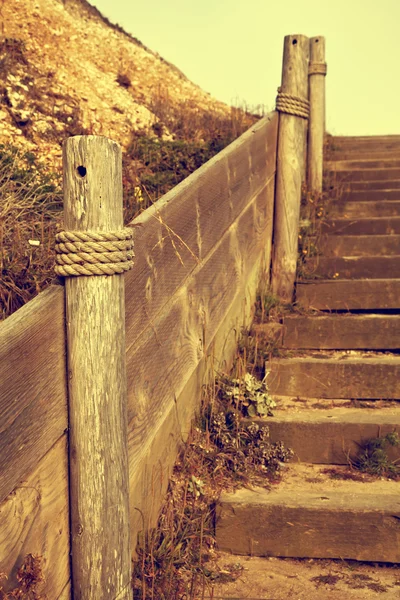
[(201, 252)]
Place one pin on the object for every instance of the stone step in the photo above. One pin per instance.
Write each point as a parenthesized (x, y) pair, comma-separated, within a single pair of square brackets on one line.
[(346, 176), (374, 226), (336, 375), (359, 245), (370, 195), (393, 184), (341, 332), (356, 294), (310, 515), (353, 267), (351, 209), (331, 435)]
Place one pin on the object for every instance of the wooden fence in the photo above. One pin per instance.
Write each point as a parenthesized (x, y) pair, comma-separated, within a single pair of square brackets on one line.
[(201, 252)]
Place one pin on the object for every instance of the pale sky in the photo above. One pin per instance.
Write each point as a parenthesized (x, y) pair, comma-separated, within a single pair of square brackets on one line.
[(233, 49)]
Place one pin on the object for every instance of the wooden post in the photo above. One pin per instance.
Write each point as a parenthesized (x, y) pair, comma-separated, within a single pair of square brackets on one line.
[(317, 72), (95, 308), (290, 168)]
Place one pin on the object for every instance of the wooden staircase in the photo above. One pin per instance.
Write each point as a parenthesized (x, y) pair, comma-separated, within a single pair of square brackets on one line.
[(341, 385)]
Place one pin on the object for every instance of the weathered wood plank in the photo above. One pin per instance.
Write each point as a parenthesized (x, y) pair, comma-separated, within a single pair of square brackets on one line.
[(359, 245), (33, 397), (367, 378), (179, 339), (349, 295), (355, 267), (354, 208), (34, 519), (149, 482), (322, 519), (175, 234), (347, 332), (371, 226)]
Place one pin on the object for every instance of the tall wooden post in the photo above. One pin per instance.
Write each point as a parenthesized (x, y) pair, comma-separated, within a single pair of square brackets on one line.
[(292, 103), (95, 308), (317, 72)]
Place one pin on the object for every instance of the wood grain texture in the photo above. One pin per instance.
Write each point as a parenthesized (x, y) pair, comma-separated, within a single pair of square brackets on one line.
[(33, 393), (316, 128), (34, 519), (290, 168), (209, 309), (176, 234), (95, 308)]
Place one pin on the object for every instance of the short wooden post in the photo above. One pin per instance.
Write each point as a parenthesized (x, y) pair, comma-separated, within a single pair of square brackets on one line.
[(95, 308), (290, 163), (317, 72)]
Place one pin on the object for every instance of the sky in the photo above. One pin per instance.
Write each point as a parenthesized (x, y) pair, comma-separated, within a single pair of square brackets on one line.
[(233, 50)]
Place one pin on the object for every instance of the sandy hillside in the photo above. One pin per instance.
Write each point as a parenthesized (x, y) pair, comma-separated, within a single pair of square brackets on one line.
[(65, 70)]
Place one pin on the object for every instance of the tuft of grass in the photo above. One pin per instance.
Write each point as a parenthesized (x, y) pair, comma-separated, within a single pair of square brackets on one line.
[(373, 457)]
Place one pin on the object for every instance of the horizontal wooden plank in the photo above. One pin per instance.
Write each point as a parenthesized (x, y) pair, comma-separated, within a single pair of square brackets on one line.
[(359, 245), (354, 267), (359, 175), (360, 226), (309, 515), (176, 234), (34, 520), (354, 294), (365, 378), (33, 397), (347, 332), (392, 184), (179, 339), (353, 208)]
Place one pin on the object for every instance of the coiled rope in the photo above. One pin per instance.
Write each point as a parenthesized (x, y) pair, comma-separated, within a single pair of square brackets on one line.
[(292, 105), (94, 253)]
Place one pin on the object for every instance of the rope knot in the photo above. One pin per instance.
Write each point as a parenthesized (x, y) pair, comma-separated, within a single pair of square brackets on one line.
[(94, 252)]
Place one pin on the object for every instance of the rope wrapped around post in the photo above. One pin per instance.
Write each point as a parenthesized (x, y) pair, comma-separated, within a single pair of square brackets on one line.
[(317, 69), (94, 253), (292, 105)]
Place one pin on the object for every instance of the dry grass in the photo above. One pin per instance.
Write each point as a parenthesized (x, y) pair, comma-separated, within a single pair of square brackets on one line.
[(31, 197)]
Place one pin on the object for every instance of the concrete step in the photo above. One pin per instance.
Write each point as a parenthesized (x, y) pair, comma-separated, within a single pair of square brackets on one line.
[(393, 184), (336, 375), (310, 515), (353, 267), (359, 245), (351, 209), (371, 226), (341, 332), (331, 435), (346, 176), (369, 195), (361, 294)]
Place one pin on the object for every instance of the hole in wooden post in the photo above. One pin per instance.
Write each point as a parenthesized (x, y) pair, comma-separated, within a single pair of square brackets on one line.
[(82, 171), (316, 41), (294, 42)]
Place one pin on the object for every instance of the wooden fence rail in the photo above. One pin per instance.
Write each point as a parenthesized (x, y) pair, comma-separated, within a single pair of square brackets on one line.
[(201, 251)]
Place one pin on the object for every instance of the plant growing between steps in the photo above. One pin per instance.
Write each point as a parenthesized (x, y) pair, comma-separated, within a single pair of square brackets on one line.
[(174, 561), (373, 457), (249, 395)]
